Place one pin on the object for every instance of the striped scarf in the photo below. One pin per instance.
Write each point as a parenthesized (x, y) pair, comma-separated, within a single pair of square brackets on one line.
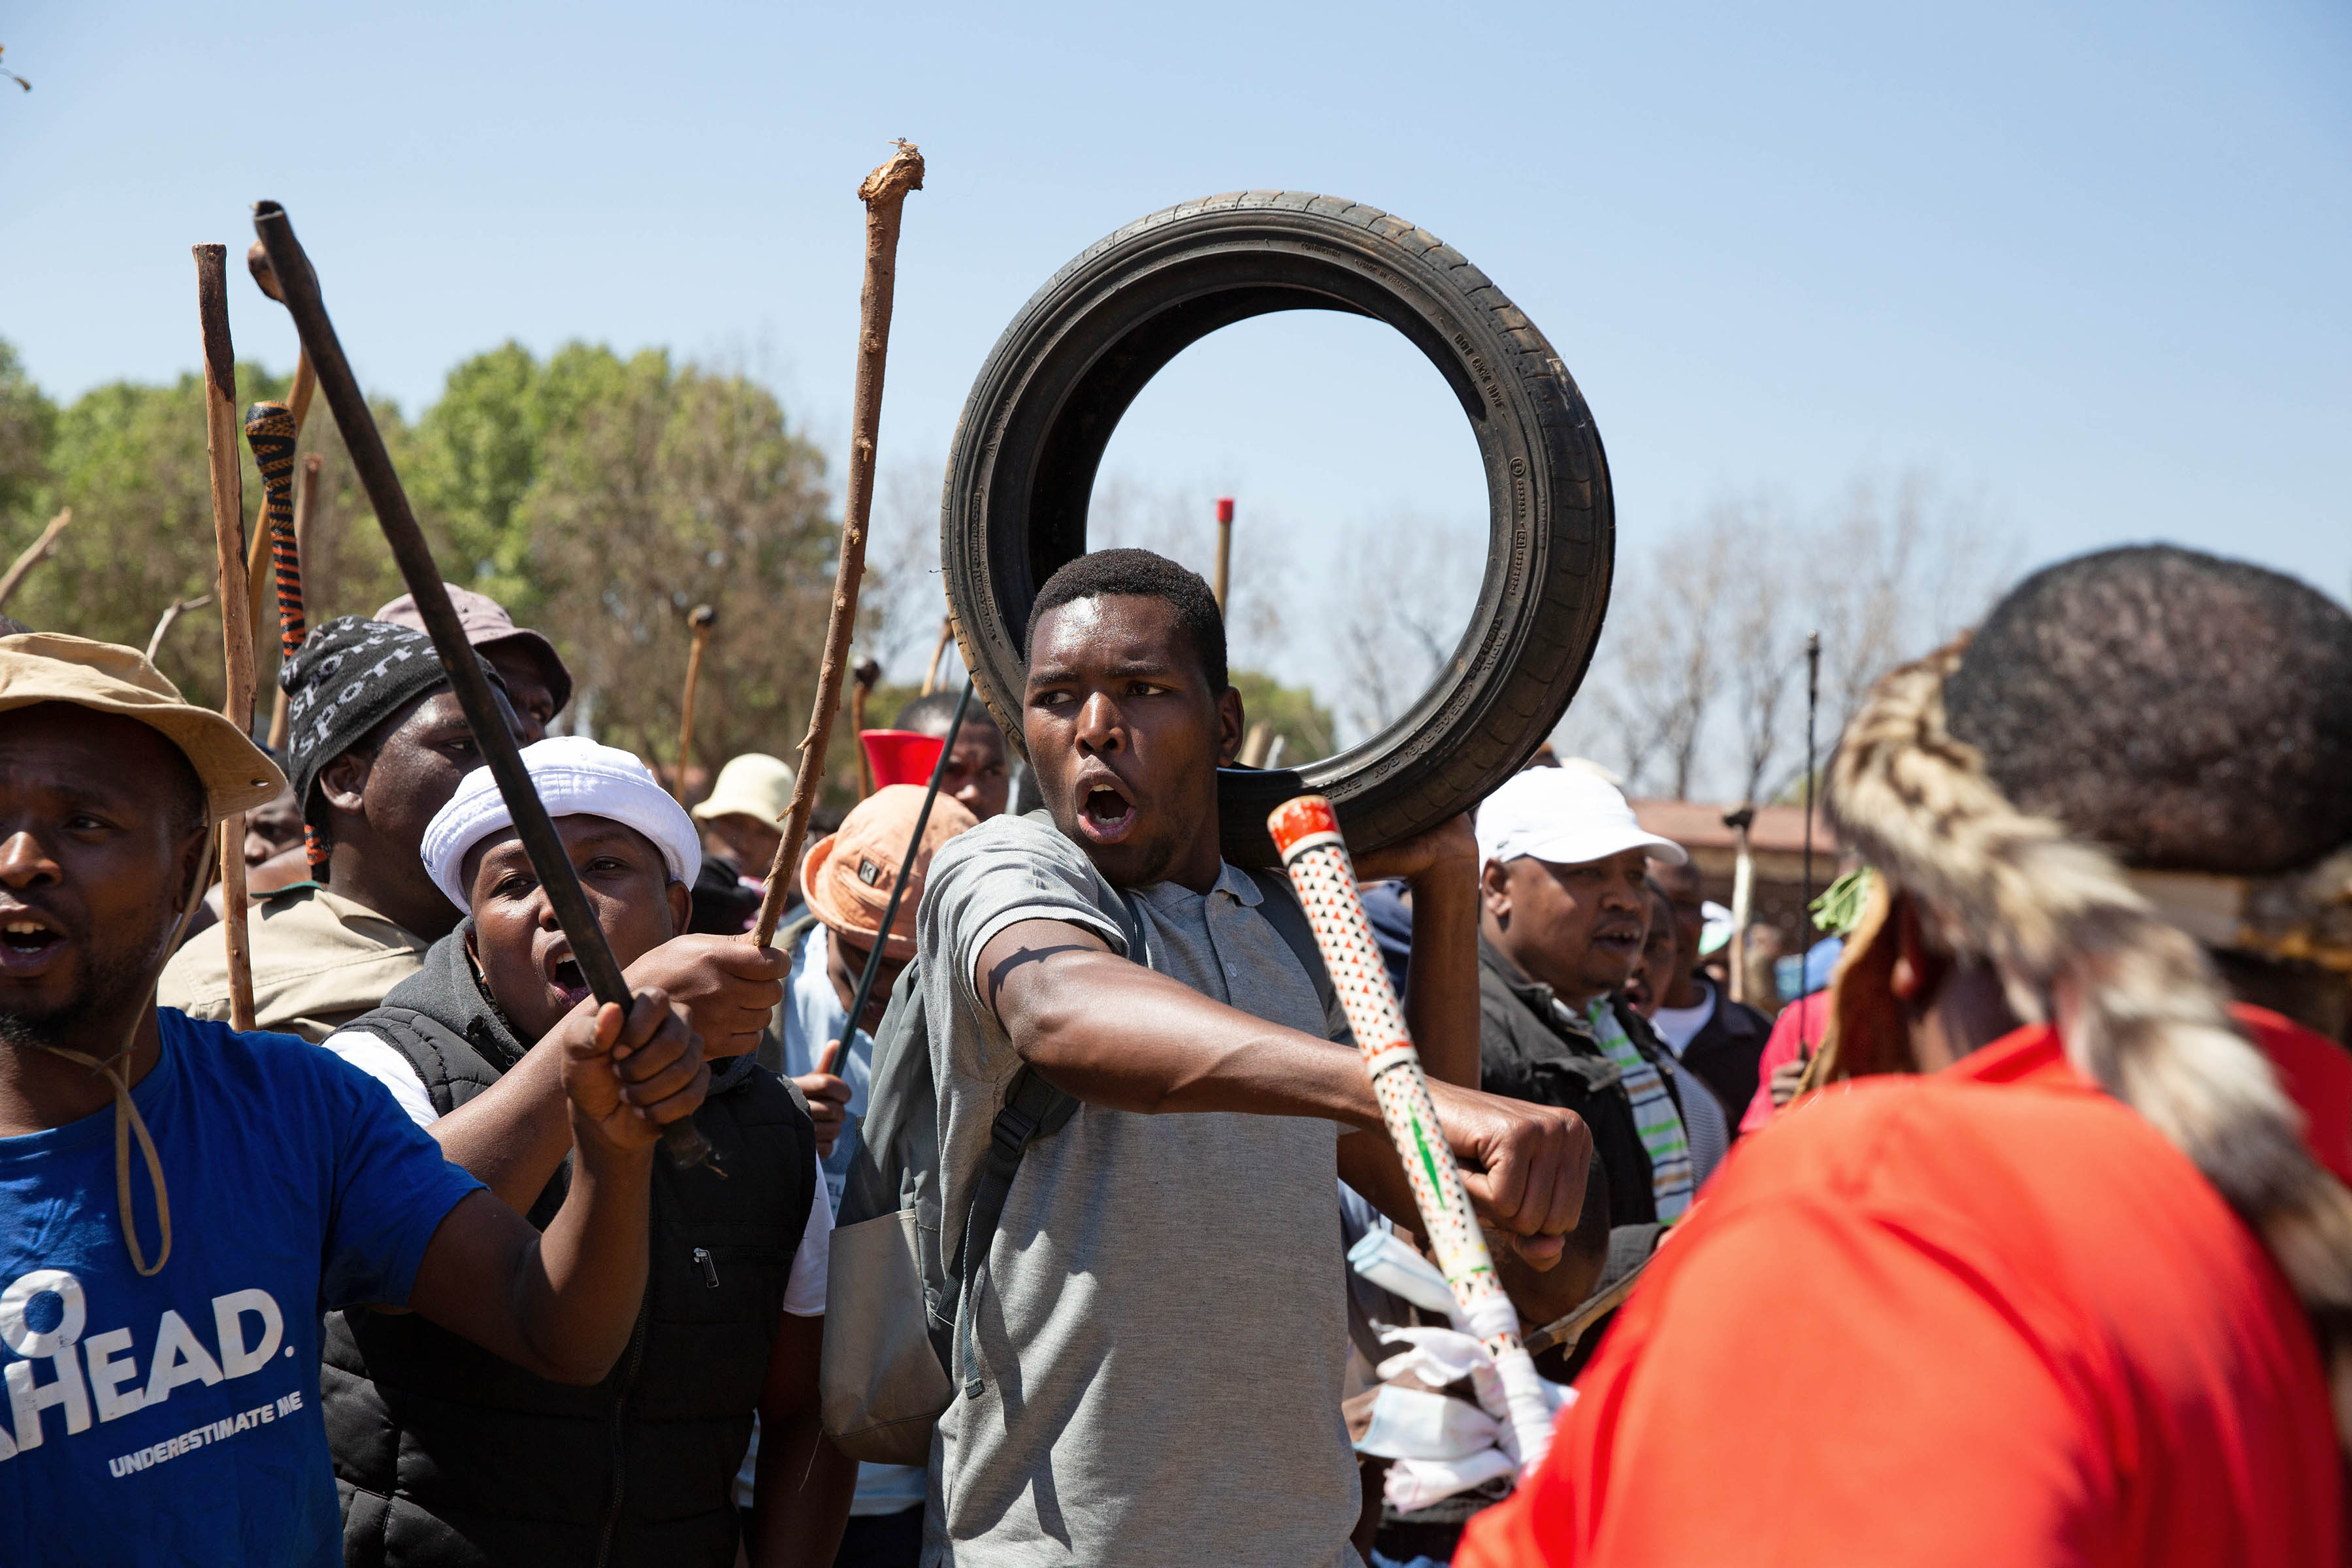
[(1654, 1116)]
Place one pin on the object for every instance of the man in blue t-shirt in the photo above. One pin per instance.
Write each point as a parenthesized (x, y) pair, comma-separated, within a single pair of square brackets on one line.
[(179, 1202)]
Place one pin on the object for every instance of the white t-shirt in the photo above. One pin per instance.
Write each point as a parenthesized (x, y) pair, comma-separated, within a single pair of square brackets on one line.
[(803, 1292), (1678, 1026)]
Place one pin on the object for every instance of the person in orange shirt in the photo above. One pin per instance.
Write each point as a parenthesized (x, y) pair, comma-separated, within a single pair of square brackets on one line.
[(2047, 1273)]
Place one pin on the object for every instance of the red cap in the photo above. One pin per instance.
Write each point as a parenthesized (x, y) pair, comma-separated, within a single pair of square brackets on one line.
[(1224, 509), (901, 756)]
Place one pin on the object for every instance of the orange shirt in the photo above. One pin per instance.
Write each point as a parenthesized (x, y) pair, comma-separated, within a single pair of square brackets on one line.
[(1984, 1317)]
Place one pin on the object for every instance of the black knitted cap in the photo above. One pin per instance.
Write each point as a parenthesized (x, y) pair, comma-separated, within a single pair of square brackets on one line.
[(349, 676)]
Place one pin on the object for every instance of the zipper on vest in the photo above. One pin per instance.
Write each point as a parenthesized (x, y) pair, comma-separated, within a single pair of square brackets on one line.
[(709, 1269), (620, 1425)]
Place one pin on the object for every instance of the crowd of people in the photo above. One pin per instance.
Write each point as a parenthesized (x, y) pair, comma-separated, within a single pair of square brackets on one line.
[(2023, 1237)]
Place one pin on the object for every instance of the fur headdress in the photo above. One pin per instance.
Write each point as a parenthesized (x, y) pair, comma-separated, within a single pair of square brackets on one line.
[(2136, 1003)]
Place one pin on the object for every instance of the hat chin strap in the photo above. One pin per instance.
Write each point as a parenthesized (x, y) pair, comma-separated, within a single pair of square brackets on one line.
[(128, 1122)]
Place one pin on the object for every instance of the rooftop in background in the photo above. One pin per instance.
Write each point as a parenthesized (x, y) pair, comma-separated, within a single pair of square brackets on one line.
[(1697, 824)]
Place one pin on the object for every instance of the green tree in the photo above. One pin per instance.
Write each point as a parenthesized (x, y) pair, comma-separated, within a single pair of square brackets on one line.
[(129, 460), (27, 424), (480, 448), (658, 489), (1305, 725)]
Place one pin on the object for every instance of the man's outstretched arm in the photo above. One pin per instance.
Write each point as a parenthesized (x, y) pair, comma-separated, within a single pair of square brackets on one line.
[(1118, 1034), (562, 1304)]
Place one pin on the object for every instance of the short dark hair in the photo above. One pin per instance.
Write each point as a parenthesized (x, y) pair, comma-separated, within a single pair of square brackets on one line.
[(2190, 712), (938, 710), (1142, 575), (10, 627)]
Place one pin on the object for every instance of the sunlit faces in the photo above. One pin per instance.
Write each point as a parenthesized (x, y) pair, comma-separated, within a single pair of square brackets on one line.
[(524, 955), (100, 836), (1126, 737), (1577, 927)]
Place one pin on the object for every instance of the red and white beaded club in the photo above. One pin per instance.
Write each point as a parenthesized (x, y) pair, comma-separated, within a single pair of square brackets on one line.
[(1307, 834)]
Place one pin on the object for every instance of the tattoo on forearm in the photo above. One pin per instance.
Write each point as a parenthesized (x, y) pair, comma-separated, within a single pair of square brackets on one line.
[(1003, 969)]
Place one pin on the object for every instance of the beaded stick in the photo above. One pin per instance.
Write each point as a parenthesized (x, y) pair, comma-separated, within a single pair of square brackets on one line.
[(1306, 833)]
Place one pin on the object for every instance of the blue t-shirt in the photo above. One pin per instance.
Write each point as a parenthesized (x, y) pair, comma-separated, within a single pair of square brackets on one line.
[(174, 1418)]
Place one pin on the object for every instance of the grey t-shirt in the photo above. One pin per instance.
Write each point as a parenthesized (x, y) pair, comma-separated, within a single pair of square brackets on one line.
[(1161, 1327)]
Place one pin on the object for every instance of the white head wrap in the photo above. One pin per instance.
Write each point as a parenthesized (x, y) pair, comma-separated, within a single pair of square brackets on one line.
[(575, 777)]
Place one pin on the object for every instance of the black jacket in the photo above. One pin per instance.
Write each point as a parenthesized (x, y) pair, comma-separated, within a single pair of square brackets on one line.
[(1725, 1052), (1527, 1051), (444, 1454)]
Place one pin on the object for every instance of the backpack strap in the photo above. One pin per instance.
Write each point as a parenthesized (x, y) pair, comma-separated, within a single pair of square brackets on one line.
[(1034, 1109), (1280, 906)]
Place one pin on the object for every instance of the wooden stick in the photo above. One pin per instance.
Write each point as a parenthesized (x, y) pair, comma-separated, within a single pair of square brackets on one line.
[(1743, 900), (35, 554), (861, 686), (701, 620), (938, 651), (270, 432), (1567, 1331), (297, 402), (257, 543), (884, 193), (487, 713), (1224, 549), (306, 497), (171, 612), (237, 631)]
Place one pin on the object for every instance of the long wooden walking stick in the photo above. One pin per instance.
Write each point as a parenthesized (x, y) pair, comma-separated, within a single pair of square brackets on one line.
[(938, 652), (306, 499), (862, 681), (270, 431), (33, 554), (884, 193), (1224, 551), (236, 632), (1743, 895), (298, 403), (701, 620), (1307, 834), (487, 712)]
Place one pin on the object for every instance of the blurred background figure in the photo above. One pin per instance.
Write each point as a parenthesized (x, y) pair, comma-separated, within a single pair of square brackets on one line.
[(742, 819), (538, 684), (979, 766)]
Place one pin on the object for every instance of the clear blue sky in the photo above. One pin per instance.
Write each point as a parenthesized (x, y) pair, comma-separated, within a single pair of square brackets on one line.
[(2091, 263)]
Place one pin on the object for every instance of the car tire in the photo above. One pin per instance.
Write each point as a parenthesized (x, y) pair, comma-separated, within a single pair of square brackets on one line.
[(1044, 405)]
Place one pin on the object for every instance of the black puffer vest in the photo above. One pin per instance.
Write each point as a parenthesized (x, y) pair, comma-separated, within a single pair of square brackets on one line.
[(446, 1455)]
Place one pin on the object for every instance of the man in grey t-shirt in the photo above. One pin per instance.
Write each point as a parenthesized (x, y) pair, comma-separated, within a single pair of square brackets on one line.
[(1160, 1327)]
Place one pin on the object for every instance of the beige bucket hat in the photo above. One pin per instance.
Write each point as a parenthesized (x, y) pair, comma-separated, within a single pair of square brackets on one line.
[(753, 784), (49, 667)]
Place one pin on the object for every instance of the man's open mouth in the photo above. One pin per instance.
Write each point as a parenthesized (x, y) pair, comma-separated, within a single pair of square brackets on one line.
[(28, 941), (1105, 814), (564, 977), (1619, 942)]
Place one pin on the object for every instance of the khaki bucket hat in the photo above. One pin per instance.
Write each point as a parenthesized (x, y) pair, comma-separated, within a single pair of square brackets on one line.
[(47, 667), (753, 784)]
